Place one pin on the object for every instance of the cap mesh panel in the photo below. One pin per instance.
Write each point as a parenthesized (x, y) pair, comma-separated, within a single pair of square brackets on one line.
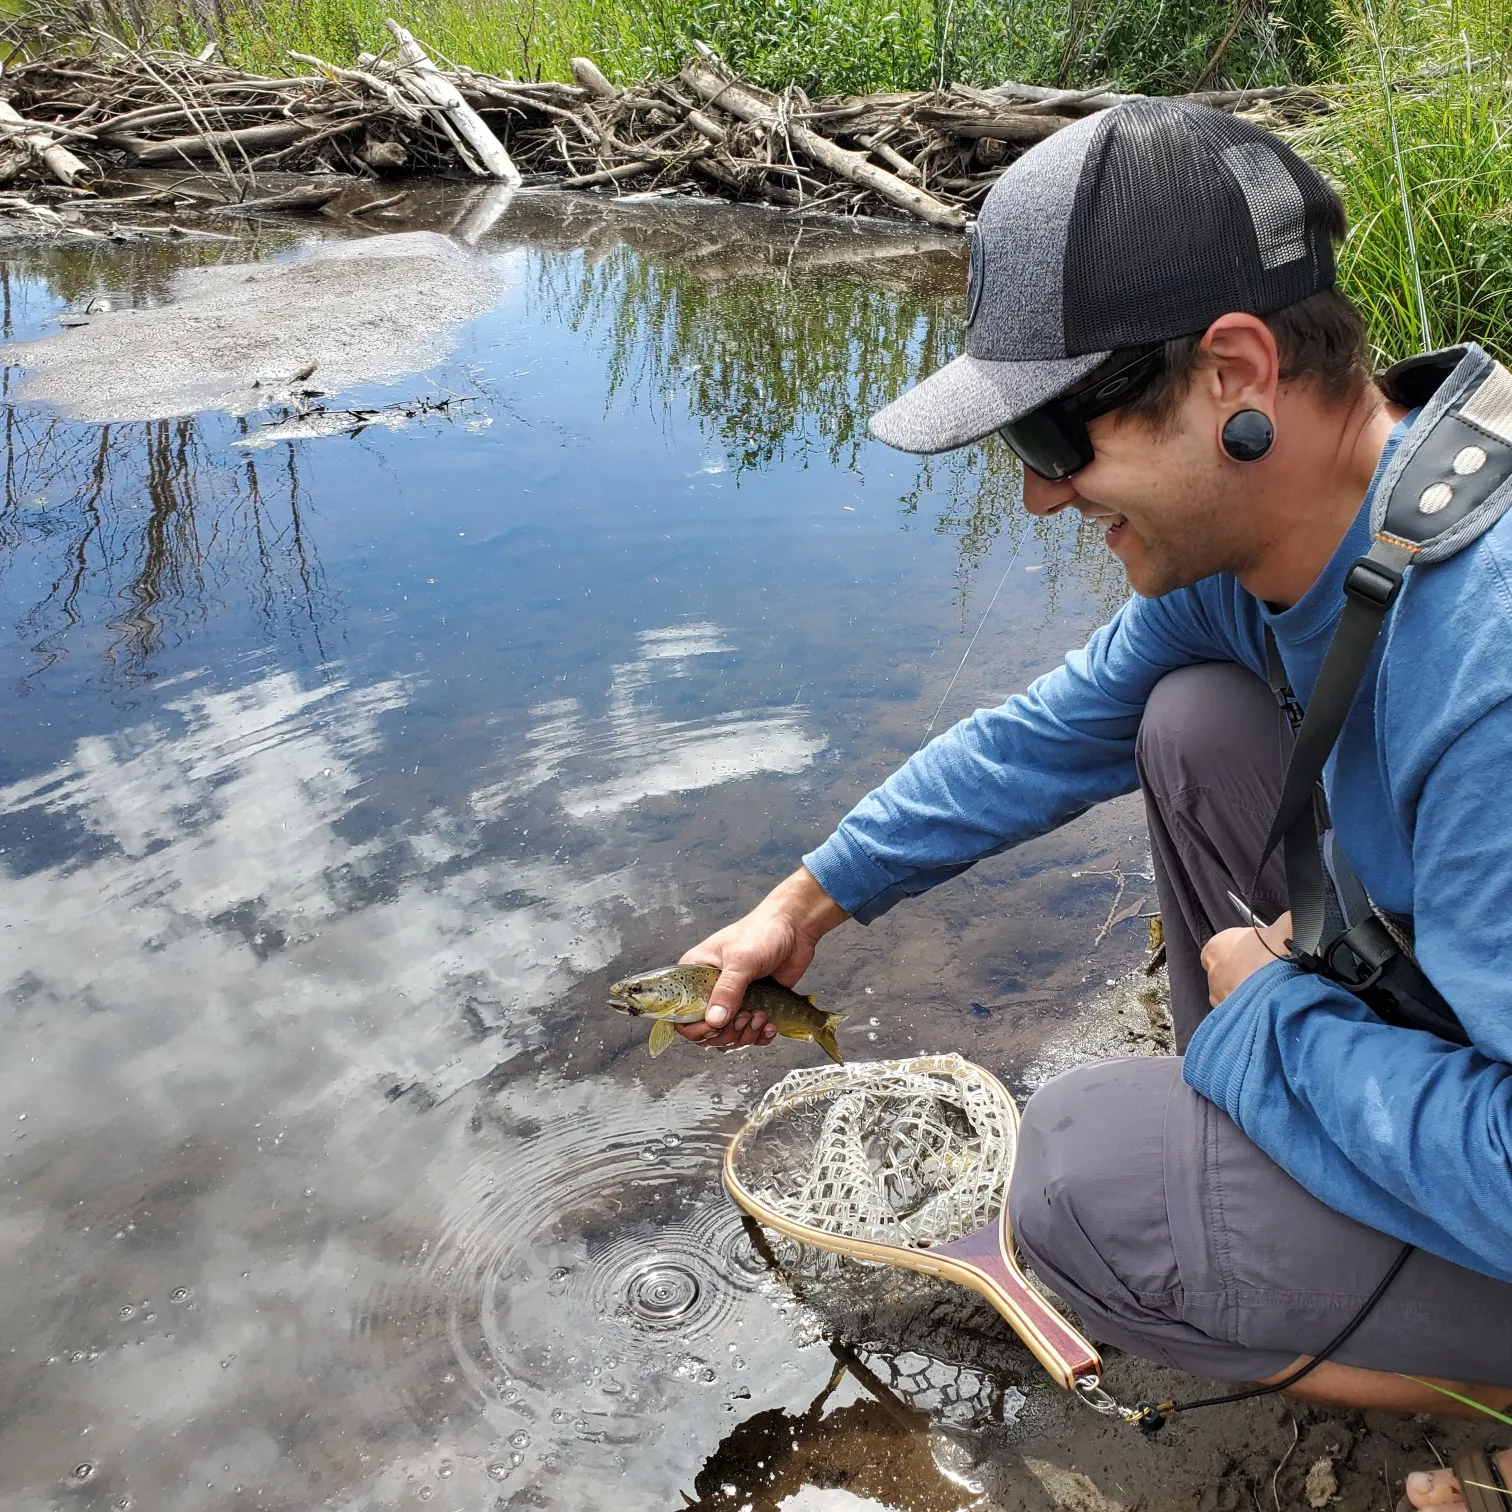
[(1182, 215)]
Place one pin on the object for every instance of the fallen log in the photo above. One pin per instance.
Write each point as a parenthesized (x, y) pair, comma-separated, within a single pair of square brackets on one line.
[(587, 75), (1011, 127), (608, 175), (57, 159), (460, 117), (208, 144), (737, 100), (301, 197)]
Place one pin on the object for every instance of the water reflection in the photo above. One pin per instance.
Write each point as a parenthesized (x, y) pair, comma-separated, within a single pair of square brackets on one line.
[(332, 1180), (630, 753), (880, 1451), (132, 532)]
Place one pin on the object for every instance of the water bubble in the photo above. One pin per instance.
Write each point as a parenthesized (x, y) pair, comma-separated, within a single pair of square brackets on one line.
[(671, 1140), (610, 1387), (444, 1469), (559, 1414), (426, 1492), (517, 1459), (663, 1292), (498, 1471), (179, 1294), (81, 1473), (121, 1504), (126, 1313), (519, 1439), (651, 1152)]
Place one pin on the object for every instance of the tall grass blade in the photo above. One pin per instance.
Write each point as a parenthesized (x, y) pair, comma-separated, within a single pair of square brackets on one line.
[(1396, 150), (1491, 1412)]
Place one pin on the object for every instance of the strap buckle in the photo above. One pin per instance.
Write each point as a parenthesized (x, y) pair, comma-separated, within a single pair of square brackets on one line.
[(1372, 584)]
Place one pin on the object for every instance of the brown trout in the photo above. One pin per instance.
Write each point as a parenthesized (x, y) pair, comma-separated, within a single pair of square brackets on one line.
[(680, 995)]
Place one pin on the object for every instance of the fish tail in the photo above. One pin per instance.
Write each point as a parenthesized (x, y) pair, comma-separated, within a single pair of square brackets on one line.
[(824, 1037)]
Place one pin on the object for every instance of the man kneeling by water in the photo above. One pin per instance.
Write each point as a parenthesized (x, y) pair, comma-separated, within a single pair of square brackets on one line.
[(1152, 325)]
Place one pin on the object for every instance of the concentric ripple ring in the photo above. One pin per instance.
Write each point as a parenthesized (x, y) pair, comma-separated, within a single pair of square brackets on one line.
[(662, 1293)]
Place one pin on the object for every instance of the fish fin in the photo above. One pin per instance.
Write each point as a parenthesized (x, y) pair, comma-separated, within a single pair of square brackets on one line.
[(825, 1038), (662, 1035), (834, 1020), (811, 1000)]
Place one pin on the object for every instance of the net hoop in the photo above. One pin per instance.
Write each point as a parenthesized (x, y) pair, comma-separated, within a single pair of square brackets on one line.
[(982, 1261)]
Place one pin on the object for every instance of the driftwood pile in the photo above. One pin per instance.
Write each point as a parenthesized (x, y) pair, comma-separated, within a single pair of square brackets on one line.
[(71, 122)]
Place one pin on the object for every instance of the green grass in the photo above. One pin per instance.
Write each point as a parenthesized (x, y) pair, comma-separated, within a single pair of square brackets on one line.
[(825, 46), (1454, 129)]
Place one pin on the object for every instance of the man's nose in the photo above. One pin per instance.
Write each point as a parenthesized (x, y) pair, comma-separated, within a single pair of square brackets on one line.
[(1042, 497)]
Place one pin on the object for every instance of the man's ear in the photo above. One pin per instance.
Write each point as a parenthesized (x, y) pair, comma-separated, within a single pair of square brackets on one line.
[(1242, 366)]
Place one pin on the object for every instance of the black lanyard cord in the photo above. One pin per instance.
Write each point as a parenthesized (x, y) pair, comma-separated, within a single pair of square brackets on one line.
[(1152, 1415)]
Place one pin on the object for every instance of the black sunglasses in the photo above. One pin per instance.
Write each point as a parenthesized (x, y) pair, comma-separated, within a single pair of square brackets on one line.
[(1053, 441)]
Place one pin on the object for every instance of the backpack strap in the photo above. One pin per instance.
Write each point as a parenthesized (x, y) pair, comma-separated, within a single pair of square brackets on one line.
[(1449, 481)]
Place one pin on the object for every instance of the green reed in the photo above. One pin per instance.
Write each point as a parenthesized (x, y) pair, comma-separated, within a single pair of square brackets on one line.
[(1450, 93)]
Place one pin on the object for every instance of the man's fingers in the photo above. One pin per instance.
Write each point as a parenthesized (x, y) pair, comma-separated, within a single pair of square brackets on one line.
[(728, 993), (745, 1029)]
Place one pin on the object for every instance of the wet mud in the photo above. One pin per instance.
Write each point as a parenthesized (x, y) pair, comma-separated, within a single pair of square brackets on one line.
[(342, 774)]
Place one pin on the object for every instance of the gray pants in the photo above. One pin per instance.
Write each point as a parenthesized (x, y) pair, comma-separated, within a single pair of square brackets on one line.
[(1143, 1205)]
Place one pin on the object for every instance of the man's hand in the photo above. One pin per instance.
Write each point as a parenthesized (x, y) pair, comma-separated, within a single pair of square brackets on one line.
[(777, 938), (1233, 955)]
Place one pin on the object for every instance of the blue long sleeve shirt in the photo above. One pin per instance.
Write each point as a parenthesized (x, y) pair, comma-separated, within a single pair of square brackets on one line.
[(1393, 1127)]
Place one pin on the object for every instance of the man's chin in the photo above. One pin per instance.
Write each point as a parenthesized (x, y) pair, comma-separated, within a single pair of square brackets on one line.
[(1154, 580)]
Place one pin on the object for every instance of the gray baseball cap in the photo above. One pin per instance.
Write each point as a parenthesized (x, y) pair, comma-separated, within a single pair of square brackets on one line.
[(1129, 227)]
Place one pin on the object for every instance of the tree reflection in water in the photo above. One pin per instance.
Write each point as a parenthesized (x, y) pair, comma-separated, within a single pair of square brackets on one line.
[(139, 527), (784, 342), (778, 338)]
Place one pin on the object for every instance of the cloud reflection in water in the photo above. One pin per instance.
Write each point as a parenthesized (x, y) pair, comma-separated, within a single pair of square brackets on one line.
[(636, 754)]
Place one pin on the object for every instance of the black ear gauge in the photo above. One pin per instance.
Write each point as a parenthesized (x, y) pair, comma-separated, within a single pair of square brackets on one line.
[(1248, 435)]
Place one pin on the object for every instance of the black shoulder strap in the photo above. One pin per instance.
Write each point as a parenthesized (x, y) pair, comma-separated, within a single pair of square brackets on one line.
[(1449, 481)]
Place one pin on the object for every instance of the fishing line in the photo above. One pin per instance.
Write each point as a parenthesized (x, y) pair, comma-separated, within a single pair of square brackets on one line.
[(1401, 174), (967, 652)]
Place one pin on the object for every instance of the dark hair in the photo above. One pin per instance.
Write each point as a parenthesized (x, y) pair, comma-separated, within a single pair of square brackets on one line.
[(1321, 340)]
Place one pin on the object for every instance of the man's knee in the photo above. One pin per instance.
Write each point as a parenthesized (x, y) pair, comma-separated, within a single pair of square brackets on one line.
[(1088, 1195), (1198, 719)]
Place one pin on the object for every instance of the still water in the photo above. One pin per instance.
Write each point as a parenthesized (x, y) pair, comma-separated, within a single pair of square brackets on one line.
[(341, 773)]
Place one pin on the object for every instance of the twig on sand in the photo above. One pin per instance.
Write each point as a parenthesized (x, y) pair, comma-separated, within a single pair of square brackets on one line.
[(1291, 1449)]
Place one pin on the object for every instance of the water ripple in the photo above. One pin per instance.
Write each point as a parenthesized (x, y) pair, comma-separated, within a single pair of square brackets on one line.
[(588, 1283)]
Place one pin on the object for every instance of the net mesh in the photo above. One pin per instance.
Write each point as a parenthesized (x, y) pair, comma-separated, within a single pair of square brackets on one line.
[(912, 1152)]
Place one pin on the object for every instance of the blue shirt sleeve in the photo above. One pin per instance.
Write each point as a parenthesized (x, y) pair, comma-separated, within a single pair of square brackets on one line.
[(1007, 774), (1394, 1127)]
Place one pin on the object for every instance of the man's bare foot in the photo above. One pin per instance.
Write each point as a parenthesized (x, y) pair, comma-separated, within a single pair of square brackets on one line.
[(1441, 1488)]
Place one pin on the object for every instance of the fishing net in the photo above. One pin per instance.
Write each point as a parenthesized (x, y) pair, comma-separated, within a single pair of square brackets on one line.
[(912, 1153)]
